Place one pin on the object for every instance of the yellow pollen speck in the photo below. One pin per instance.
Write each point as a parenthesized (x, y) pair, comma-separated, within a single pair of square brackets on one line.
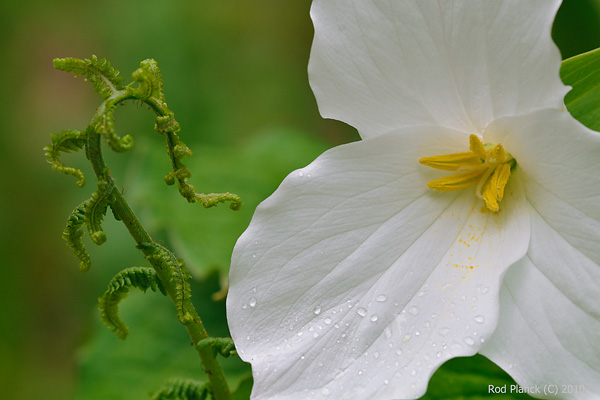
[(489, 170)]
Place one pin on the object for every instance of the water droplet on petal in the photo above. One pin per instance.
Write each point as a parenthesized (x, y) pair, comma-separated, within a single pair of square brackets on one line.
[(361, 311), (413, 372), (381, 298), (399, 352), (444, 331), (413, 310), (376, 355), (479, 319), (252, 302), (244, 306), (325, 392), (385, 381), (470, 341), (300, 173), (327, 321), (374, 318), (317, 310), (388, 333)]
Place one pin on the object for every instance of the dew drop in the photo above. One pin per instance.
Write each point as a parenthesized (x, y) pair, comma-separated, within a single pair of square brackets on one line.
[(316, 334), (381, 298), (325, 392), (374, 318), (413, 310), (413, 372), (244, 306), (399, 352), (385, 381), (253, 255), (417, 333), (444, 331), (252, 302), (327, 321), (361, 311), (317, 310), (470, 341), (387, 332), (421, 293), (479, 319), (300, 173), (485, 290), (376, 355)]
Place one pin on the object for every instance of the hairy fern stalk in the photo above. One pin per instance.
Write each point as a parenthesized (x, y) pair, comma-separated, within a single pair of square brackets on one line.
[(167, 273)]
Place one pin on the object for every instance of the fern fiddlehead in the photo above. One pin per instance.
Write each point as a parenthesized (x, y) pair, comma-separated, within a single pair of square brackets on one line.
[(168, 274), (118, 289)]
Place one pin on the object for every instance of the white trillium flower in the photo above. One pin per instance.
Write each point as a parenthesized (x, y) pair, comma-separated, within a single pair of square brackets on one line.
[(355, 280)]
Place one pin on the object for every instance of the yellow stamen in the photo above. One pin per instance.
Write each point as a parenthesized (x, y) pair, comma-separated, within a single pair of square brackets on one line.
[(476, 146), (494, 190), (458, 181), (451, 162), (487, 166)]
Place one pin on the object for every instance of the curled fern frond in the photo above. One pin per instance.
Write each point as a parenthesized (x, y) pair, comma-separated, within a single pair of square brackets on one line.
[(95, 210), (105, 125), (183, 389), (177, 150), (149, 81), (118, 289), (100, 73), (72, 235), (212, 199), (223, 346), (178, 277), (65, 142)]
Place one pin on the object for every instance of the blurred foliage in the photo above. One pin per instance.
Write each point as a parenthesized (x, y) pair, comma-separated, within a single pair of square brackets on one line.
[(235, 75)]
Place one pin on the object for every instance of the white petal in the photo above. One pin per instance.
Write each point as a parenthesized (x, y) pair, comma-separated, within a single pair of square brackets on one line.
[(354, 281), (549, 330), (381, 65)]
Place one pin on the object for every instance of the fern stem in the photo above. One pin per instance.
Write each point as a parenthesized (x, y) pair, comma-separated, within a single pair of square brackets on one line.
[(121, 209)]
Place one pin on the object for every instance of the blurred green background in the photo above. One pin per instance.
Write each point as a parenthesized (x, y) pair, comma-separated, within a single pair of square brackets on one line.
[(235, 74)]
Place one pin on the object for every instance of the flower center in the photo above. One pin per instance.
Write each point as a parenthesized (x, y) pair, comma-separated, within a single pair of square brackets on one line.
[(487, 166)]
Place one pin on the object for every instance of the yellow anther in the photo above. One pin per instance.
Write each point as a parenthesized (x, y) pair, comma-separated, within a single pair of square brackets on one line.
[(497, 154), (487, 166), (476, 146), (458, 181), (451, 162), (494, 190)]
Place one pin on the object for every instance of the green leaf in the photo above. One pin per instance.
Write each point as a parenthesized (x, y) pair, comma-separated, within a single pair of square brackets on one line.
[(582, 72), (157, 349), (204, 238), (469, 378)]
